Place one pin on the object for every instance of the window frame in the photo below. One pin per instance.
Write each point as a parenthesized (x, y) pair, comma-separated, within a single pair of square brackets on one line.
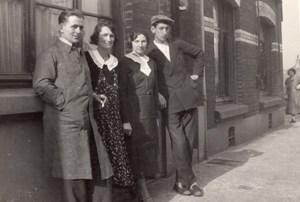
[(265, 53), (24, 80), (225, 59)]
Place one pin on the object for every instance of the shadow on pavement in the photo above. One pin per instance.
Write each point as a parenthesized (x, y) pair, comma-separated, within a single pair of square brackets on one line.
[(223, 163), (205, 172)]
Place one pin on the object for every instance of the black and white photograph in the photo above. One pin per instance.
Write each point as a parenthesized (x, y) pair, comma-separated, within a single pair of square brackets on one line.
[(149, 101)]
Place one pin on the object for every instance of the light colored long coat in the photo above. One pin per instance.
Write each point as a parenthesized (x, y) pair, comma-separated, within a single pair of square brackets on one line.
[(62, 79), (293, 103)]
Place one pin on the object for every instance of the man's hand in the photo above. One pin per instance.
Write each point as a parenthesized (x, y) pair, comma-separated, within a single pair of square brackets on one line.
[(194, 77), (162, 101), (127, 128), (100, 98)]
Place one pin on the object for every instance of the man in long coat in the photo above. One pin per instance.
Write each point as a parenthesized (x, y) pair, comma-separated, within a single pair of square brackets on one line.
[(62, 79), (179, 94)]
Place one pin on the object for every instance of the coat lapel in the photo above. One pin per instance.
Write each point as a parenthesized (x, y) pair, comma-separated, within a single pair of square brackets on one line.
[(173, 56), (168, 66)]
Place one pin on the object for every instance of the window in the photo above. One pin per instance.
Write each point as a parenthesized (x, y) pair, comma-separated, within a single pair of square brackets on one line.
[(223, 46), (262, 76), (12, 37), (28, 27)]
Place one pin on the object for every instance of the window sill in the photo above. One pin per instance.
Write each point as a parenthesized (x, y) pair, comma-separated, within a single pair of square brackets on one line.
[(267, 102), (230, 110), (19, 101)]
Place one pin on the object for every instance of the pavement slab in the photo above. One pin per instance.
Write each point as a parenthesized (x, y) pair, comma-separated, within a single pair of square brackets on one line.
[(266, 169)]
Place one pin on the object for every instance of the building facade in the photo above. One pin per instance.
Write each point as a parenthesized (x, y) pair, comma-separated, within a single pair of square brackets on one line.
[(242, 87)]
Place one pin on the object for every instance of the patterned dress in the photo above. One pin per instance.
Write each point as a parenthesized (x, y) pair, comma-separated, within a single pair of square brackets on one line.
[(105, 81)]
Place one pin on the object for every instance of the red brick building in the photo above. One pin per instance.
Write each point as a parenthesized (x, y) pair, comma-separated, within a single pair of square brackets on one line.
[(243, 75)]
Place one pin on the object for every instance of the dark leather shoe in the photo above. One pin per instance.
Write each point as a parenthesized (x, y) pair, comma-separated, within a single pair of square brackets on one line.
[(182, 190), (196, 190)]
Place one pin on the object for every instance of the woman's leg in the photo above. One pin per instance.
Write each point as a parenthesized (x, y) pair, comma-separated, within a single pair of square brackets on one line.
[(293, 118), (142, 186)]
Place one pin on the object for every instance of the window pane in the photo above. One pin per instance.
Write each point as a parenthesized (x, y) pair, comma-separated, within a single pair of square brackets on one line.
[(64, 3), (223, 44), (11, 36), (46, 27), (101, 7), (89, 25)]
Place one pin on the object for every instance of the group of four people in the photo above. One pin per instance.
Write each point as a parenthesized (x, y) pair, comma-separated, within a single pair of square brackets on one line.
[(100, 116)]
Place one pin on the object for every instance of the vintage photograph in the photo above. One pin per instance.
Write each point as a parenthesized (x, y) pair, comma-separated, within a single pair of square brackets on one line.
[(149, 100)]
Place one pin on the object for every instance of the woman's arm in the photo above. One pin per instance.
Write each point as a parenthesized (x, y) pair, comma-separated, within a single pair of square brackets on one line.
[(123, 86)]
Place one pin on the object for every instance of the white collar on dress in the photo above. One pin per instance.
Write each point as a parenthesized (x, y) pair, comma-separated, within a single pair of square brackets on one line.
[(137, 58), (111, 63), (142, 60)]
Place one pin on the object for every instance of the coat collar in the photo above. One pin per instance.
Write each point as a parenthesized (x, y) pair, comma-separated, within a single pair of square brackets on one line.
[(67, 47)]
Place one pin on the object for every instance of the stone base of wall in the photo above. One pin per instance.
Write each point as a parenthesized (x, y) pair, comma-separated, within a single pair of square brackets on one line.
[(21, 157), (244, 129)]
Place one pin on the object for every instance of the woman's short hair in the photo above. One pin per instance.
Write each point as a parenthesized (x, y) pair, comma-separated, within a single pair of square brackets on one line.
[(133, 36), (63, 16), (102, 23), (292, 70)]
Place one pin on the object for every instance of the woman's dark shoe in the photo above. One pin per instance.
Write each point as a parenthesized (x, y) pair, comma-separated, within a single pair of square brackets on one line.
[(293, 121), (196, 190), (182, 190)]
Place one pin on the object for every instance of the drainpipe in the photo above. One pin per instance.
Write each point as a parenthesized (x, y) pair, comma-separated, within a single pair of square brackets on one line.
[(259, 45), (204, 94)]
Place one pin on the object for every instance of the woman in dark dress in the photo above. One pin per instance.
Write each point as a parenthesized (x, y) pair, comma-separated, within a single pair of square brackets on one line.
[(104, 70), (139, 95)]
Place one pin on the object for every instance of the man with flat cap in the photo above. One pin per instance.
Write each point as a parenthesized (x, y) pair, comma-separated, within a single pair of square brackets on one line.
[(179, 97)]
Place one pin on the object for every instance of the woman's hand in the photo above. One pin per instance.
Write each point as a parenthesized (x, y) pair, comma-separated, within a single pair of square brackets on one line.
[(162, 101), (100, 98), (127, 128)]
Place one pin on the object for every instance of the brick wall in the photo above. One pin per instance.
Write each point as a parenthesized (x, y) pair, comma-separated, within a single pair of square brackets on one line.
[(137, 14), (246, 57)]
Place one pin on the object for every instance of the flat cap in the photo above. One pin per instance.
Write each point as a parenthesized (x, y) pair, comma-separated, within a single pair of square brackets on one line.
[(161, 18)]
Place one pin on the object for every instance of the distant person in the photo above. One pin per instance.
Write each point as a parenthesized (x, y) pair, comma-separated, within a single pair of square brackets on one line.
[(139, 106), (180, 97), (62, 80), (292, 94), (104, 68)]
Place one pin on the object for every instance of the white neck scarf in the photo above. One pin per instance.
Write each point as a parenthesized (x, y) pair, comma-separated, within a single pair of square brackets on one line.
[(142, 60)]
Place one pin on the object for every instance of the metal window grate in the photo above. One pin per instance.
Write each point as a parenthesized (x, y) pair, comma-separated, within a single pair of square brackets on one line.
[(231, 136), (270, 121)]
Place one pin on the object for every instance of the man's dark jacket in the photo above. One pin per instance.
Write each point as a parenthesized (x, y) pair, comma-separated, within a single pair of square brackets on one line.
[(174, 81)]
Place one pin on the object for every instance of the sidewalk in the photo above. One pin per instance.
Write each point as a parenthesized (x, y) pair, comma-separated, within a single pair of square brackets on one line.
[(266, 169)]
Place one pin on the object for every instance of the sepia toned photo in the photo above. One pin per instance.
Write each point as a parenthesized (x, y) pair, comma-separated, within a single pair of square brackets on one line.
[(149, 100)]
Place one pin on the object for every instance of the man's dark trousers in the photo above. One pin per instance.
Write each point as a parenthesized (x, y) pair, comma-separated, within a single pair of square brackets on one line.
[(182, 127)]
